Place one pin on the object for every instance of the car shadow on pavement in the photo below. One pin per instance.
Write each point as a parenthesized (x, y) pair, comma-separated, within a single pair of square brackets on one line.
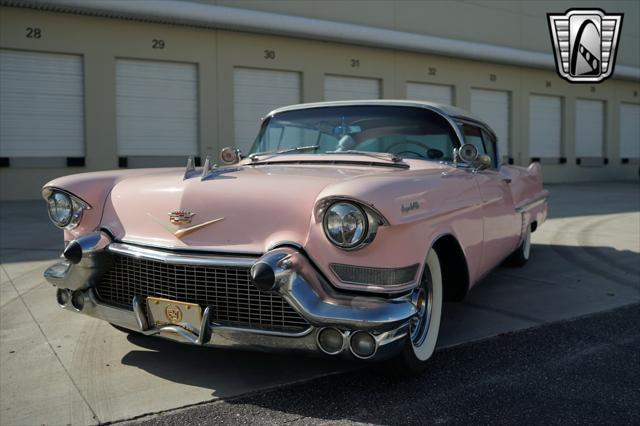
[(508, 299), (227, 372)]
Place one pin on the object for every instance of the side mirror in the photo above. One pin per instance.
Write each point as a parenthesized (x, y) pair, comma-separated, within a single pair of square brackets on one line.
[(468, 153), (483, 162), (230, 155)]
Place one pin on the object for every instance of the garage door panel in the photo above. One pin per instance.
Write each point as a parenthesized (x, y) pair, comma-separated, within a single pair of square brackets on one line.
[(155, 89), (152, 70), (493, 106), (589, 128), (545, 126), (173, 108), (157, 108), (32, 83), (438, 93), (337, 88), (257, 92), (261, 94), (40, 63), (41, 104), (629, 131)]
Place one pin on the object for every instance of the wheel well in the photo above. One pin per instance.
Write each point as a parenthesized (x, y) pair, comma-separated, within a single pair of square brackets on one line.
[(455, 272)]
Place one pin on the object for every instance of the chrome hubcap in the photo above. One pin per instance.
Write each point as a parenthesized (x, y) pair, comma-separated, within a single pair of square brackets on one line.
[(419, 325)]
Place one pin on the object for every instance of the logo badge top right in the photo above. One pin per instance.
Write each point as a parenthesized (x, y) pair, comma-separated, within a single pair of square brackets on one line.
[(585, 42)]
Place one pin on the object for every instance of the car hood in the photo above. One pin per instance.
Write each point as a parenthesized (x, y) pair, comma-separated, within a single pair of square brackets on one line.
[(250, 207)]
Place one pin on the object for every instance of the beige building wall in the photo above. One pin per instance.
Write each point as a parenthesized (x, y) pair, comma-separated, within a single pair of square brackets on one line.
[(519, 24), (216, 52)]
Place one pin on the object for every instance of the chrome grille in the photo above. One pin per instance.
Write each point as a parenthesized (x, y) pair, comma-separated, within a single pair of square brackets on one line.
[(228, 290)]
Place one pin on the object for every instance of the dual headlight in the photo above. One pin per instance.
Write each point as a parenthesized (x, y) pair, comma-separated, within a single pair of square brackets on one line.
[(65, 210), (348, 224)]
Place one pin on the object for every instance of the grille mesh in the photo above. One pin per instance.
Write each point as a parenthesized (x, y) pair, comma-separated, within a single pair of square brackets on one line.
[(228, 290)]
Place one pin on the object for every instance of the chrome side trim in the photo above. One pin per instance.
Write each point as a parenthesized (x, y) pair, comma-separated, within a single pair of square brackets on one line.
[(528, 205), (180, 258)]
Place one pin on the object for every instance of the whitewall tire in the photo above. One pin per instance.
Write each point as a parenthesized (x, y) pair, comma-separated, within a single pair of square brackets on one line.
[(521, 256), (423, 334)]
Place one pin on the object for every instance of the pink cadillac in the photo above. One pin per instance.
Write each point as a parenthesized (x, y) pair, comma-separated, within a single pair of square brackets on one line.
[(342, 231)]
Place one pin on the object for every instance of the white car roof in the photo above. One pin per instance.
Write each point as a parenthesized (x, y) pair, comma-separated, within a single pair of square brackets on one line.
[(451, 111)]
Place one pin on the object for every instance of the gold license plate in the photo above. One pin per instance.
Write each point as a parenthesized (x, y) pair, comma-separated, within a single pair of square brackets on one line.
[(165, 311)]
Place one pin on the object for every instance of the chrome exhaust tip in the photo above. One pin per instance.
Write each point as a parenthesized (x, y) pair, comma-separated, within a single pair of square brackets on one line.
[(63, 296), (77, 300), (331, 341), (363, 345)]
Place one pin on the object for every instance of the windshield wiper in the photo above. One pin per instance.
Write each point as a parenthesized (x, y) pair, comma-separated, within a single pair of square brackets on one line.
[(378, 155), (254, 157)]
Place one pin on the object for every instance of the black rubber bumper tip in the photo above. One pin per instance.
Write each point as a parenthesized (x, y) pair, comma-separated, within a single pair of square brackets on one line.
[(73, 252), (263, 277)]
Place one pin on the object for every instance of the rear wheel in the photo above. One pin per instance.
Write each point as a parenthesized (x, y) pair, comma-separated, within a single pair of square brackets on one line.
[(424, 328), (520, 257)]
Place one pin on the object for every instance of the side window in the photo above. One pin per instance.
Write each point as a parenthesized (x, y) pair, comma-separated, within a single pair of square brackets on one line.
[(490, 148), (473, 135)]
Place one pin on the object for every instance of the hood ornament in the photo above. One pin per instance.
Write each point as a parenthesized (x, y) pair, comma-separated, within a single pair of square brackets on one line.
[(190, 171), (208, 168)]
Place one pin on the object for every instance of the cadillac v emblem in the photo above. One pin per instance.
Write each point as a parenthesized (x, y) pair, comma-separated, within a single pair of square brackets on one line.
[(585, 43), (180, 217), (173, 314)]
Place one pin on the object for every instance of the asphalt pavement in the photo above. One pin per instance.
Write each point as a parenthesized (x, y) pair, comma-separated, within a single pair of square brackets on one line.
[(582, 371)]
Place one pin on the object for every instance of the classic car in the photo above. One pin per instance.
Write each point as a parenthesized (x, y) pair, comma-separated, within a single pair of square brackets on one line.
[(341, 232)]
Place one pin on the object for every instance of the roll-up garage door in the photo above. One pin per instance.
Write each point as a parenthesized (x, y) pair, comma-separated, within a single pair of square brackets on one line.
[(41, 105), (630, 131), (438, 93), (338, 88), (493, 107), (157, 108), (256, 93), (589, 128), (545, 126)]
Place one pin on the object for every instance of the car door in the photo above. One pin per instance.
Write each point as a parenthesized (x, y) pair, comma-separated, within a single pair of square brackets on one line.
[(502, 226)]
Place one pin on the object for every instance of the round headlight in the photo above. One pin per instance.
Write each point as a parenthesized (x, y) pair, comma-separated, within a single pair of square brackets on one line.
[(60, 208), (345, 224)]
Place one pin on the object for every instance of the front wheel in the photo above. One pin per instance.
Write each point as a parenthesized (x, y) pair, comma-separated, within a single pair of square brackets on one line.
[(424, 328)]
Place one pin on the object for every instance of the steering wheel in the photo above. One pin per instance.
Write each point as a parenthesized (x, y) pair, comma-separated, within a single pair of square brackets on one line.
[(408, 151)]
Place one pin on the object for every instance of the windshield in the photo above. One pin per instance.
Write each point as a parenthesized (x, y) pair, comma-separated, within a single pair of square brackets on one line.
[(406, 132)]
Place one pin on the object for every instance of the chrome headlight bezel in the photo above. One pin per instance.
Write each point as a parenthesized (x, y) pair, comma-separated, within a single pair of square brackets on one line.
[(77, 208), (373, 219)]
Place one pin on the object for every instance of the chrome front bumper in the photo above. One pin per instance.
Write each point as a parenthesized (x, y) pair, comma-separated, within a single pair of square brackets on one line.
[(294, 278)]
